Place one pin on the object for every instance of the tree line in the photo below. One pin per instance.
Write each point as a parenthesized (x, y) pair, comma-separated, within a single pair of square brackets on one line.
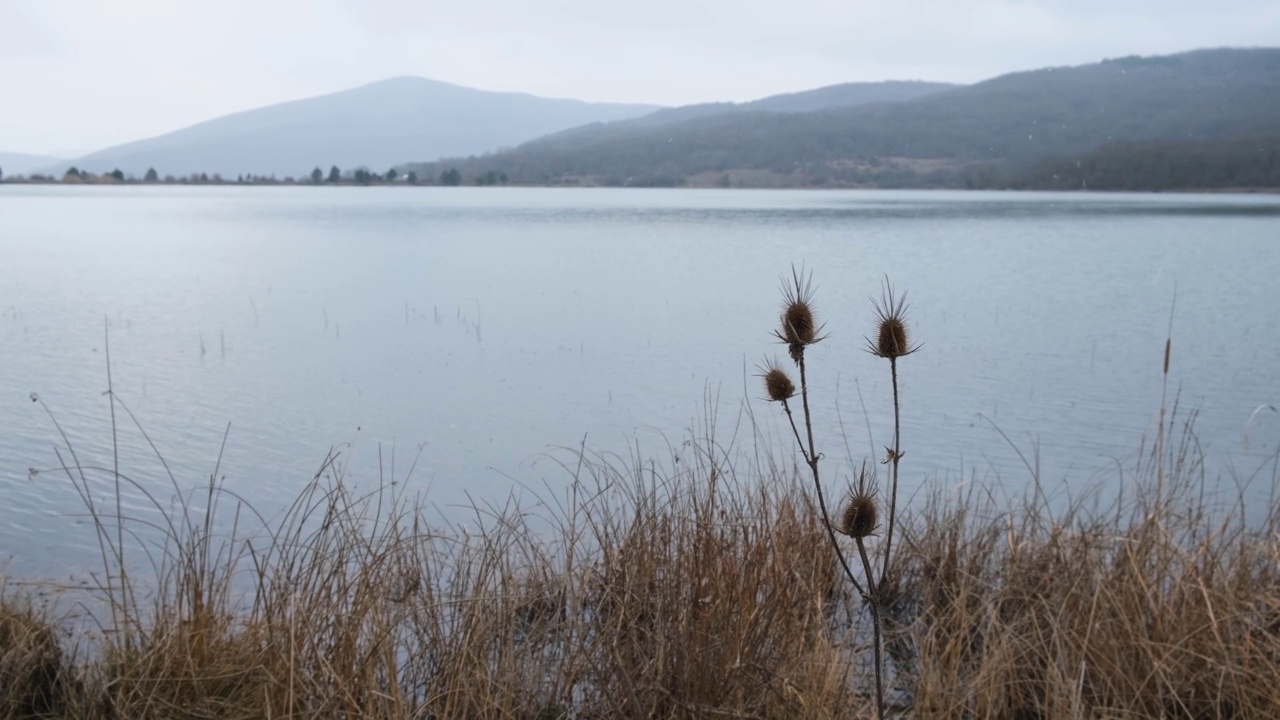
[(336, 176), (1242, 162)]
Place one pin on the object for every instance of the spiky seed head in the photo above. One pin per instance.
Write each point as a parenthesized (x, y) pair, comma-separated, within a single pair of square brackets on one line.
[(799, 326), (860, 515), (777, 383), (893, 339)]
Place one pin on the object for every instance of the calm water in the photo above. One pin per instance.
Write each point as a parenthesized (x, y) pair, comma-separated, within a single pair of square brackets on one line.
[(476, 329)]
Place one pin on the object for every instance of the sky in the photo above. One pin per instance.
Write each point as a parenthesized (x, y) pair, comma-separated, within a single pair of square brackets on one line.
[(79, 75)]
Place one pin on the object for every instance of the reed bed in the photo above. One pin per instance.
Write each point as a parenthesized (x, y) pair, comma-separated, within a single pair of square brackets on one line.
[(641, 592), (646, 592)]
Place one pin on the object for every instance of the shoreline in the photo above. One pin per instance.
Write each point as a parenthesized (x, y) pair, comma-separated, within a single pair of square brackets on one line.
[(594, 186)]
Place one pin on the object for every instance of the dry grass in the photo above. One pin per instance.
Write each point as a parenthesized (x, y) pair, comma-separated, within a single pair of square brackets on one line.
[(34, 675), (641, 593), (690, 587), (1167, 606)]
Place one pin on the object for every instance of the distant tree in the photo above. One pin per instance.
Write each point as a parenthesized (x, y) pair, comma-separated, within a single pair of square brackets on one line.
[(239, 178), (492, 177), (1, 174), (317, 176), (151, 176), (71, 174), (118, 175), (451, 177), (411, 178), (204, 178), (335, 175), (362, 176), (392, 174)]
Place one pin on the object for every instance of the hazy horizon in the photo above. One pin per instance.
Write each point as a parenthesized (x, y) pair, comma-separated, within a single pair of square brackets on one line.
[(142, 68)]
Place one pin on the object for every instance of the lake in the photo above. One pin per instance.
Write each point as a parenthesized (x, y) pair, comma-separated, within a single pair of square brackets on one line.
[(476, 330)]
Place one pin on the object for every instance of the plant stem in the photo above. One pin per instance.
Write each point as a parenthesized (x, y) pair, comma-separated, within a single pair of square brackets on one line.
[(874, 604), (897, 455), (817, 484), (808, 421), (115, 472), (812, 462)]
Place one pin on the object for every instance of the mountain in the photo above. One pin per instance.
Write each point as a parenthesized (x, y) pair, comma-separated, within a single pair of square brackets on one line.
[(12, 164), (947, 137), (375, 125), (823, 98), (847, 95)]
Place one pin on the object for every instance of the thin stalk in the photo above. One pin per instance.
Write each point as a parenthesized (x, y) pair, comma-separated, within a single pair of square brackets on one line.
[(115, 473), (874, 604), (817, 484), (812, 462), (897, 455), (808, 422)]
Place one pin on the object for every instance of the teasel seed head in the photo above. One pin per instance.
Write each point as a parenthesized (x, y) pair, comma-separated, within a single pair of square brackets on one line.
[(777, 383), (893, 340), (799, 326), (860, 515)]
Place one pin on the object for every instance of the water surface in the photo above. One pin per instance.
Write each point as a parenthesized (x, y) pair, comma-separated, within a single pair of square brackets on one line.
[(475, 329)]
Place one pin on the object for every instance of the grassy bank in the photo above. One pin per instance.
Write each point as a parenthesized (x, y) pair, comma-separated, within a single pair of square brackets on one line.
[(676, 587)]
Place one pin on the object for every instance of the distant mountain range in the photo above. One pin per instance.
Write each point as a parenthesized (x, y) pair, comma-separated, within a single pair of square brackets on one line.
[(21, 163), (386, 123), (989, 134), (1207, 118), (373, 126)]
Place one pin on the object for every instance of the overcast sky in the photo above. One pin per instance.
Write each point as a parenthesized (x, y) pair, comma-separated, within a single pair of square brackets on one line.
[(78, 75)]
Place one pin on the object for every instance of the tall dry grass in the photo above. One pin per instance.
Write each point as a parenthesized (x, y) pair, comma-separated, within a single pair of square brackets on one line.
[(690, 591), (1162, 605), (698, 583), (641, 592)]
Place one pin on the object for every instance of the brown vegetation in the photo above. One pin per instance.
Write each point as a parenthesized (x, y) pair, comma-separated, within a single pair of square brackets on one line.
[(680, 594)]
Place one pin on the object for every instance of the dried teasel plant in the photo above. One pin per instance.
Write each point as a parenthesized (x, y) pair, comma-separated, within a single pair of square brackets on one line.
[(861, 514), (777, 383), (798, 325), (893, 339)]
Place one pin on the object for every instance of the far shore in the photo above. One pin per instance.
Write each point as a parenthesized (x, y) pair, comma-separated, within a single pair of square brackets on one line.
[(400, 183)]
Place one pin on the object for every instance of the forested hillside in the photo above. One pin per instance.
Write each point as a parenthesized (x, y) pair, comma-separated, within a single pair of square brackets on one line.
[(1240, 162), (967, 135)]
